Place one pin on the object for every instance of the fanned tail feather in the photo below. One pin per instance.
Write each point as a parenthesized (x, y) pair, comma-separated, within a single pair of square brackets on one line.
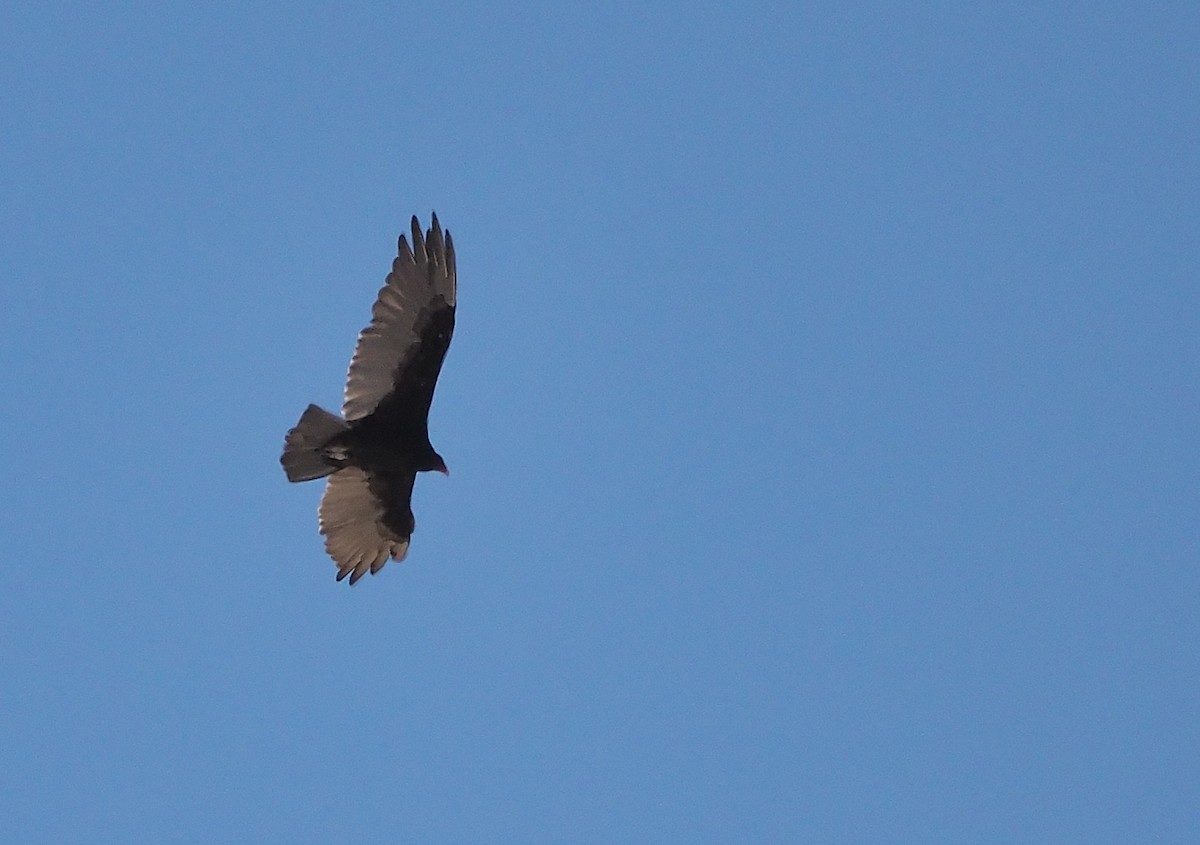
[(302, 459)]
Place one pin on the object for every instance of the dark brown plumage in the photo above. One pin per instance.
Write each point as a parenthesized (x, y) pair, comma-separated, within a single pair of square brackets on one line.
[(373, 452)]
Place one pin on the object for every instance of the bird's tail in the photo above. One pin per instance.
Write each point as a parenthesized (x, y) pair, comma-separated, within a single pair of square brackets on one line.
[(302, 460)]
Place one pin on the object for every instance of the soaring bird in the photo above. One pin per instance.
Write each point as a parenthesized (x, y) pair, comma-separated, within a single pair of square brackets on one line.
[(373, 452)]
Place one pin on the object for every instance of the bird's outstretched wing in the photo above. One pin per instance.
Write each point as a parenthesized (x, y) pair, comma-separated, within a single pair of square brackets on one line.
[(366, 518), (399, 355)]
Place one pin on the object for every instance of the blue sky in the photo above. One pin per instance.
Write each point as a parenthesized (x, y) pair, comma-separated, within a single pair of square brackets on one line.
[(821, 417)]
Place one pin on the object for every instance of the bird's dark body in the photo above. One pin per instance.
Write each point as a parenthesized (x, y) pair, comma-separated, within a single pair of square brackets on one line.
[(372, 456), (375, 448)]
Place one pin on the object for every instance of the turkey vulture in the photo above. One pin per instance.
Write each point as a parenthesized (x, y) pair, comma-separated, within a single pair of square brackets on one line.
[(373, 452)]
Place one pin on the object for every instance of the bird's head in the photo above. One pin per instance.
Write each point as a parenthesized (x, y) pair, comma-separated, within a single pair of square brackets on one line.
[(437, 464)]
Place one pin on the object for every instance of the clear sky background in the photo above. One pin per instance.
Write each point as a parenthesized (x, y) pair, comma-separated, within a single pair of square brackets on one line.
[(822, 418)]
